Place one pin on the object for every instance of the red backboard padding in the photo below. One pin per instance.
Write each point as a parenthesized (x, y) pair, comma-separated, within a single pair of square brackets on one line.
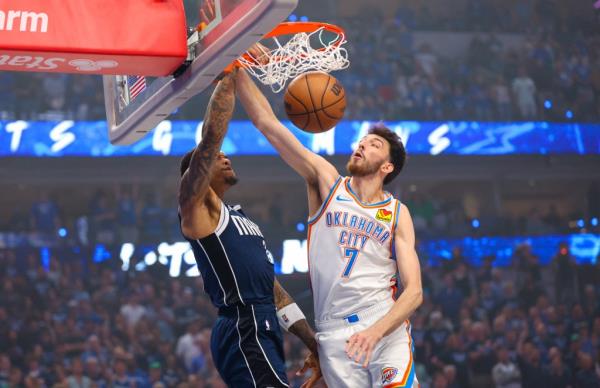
[(141, 37)]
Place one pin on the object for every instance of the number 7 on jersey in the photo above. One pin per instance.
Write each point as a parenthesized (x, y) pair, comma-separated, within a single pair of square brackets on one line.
[(352, 254)]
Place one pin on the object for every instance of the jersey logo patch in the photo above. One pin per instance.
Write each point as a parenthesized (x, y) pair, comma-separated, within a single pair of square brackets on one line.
[(342, 198), (384, 215), (388, 374)]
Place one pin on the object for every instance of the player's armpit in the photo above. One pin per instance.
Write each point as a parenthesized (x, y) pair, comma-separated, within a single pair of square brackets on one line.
[(195, 182)]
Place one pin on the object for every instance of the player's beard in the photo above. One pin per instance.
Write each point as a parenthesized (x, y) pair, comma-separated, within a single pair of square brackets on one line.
[(231, 180), (363, 168)]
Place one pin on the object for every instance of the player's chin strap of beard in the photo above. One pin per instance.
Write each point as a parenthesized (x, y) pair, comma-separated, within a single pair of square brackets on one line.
[(289, 315)]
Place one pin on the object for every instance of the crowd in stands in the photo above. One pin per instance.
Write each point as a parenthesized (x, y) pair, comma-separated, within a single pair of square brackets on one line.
[(553, 73), (76, 323), (137, 214)]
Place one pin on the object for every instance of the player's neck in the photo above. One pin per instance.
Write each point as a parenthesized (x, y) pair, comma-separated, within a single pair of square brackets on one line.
[(368, 189), (219, 190)]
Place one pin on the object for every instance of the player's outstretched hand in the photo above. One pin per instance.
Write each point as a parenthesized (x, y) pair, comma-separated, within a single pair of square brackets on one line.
[(259, 53), (311, 362), (207, 12), (362, 344)]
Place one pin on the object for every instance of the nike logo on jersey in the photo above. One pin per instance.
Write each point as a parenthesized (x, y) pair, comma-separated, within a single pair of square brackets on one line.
[(342, 198)]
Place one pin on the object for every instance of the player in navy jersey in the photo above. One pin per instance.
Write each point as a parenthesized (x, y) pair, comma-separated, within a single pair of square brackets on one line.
[(236, 267)]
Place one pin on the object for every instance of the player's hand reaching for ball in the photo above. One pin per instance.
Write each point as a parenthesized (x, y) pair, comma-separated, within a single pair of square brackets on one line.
[(311, 362), (362, 344)]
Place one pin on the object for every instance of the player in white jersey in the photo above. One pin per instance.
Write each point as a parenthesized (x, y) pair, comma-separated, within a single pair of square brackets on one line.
[(360, 237)]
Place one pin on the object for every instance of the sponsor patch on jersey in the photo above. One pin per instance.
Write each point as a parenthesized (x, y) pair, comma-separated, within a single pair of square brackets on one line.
[(285, 318), (384, 215), (388, 374)]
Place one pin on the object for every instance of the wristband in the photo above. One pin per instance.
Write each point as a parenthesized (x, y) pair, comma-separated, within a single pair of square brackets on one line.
[(289, 315)]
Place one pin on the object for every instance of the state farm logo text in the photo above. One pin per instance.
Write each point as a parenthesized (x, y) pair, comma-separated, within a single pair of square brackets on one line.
[(42, 63), (24, 21)]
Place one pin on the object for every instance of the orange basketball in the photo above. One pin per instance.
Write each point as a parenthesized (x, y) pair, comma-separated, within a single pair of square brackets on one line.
[(315, 101)]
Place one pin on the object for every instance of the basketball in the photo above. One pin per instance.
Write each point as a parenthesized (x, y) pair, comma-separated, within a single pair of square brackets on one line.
[(315, 101)]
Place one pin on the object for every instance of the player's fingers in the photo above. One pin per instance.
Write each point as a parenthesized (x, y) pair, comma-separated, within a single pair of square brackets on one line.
[(302, 370), (310, 382), (368, 358), (211, 8), (359, 355), (352, 348), (203, 17), (349, 343)]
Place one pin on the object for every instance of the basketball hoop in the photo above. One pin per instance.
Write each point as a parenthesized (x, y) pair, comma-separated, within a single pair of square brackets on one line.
[(314, 46)]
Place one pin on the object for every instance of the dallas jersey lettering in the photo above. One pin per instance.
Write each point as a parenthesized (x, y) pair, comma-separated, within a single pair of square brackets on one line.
[(350, 252), (236, 266)]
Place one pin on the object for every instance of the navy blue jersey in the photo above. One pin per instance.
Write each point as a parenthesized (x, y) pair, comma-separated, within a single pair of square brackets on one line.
[(235, 264)]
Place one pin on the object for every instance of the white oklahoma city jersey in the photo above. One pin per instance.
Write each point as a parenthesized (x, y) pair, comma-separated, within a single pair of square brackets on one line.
[(350, 253)]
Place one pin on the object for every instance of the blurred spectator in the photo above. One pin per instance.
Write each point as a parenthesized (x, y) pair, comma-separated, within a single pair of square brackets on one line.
[(524, 90), (45, 218), (152, 219), (127, 216), (187, 349), (505, 373), (77, 379), (587, 376), (103, 219), (565, 274), (133, 311)]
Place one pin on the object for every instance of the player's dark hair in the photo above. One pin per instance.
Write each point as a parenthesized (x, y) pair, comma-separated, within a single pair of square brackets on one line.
[(397, 151), (185, 162)]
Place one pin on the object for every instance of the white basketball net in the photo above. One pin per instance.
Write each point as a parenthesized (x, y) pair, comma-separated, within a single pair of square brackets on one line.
[(297, 56)]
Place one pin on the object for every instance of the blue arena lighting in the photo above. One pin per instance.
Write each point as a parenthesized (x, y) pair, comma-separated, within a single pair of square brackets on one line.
[(580, 223), (300, 227), (45, 258), (292, 18), (475, 223), (548, 104), (569, 114), (594, 221), (62, 232), (303, 18), (89, 139)]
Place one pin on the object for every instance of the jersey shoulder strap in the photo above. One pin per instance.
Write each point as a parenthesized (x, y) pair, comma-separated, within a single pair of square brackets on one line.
[(326, 202)]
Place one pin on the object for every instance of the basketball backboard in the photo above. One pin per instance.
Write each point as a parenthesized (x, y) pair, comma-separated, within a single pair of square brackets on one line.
[(236, 25)]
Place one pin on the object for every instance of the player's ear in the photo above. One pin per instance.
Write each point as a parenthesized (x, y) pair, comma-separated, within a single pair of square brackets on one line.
[(387, 167)]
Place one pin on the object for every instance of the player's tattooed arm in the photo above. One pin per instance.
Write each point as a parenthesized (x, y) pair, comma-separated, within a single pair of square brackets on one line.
[(195, 182), (301, 328)]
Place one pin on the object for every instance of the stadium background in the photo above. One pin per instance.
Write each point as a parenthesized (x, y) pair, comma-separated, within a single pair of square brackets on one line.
[(95, 286)]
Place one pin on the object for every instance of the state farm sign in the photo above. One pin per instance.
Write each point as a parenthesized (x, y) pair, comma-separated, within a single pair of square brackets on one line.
[(40, 63), (23, 21)]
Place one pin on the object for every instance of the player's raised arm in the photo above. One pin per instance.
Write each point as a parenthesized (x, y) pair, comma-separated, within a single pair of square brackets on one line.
[(312, 167), (194, 184)]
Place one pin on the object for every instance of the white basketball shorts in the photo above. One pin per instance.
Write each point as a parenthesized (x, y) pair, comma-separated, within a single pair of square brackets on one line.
[(391, 364)]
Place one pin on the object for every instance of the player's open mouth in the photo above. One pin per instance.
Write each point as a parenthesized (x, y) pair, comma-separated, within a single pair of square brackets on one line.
[(357, 155)]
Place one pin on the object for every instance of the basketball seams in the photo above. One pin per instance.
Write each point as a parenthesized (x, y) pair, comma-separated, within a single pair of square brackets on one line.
[(306, 113), (316, 110), (312, 102), (324, 93), (303, 94)]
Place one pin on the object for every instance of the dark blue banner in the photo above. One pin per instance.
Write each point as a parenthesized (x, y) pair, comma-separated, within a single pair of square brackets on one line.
[(89, 139)]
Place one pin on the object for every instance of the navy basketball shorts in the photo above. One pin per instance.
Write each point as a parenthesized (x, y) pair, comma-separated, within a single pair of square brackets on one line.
[(247, 347)]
